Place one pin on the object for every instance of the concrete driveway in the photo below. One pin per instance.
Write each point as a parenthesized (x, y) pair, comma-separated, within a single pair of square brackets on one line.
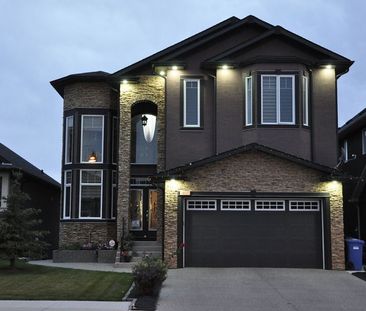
[(263, 289)]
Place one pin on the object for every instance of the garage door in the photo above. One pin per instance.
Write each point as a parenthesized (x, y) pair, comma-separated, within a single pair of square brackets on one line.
[(253, 232)]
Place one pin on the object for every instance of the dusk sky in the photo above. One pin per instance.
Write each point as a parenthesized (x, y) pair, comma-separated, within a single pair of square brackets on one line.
[(45, 40)]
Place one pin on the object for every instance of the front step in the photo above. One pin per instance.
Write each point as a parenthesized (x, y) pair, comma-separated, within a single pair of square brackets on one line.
[(141, 249)]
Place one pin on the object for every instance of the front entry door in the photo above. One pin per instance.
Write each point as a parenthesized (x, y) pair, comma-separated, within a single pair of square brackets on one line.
[(143, 213)]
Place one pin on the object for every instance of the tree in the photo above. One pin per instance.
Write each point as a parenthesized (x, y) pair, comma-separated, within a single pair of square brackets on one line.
[(19, 233)]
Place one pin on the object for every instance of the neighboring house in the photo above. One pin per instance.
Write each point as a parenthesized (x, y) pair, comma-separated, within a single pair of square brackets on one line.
[(224, 143), (44, 192), (352, 142)]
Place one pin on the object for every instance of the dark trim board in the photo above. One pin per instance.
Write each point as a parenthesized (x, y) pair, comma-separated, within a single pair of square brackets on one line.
[(321, 221)]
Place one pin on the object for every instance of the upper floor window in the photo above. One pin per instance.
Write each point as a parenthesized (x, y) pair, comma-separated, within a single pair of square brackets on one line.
[(278, 99), (4, 189), (92, 137), (69, 134), (67, 194), (345, 151), (248, 101), (305, 100), (115, 132), (91, 184), (191, 103), (364, 141)]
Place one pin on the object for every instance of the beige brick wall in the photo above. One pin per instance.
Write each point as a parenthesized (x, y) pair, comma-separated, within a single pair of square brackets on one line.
[(84, 232), (254, 171), (151, 88), (89, 95)]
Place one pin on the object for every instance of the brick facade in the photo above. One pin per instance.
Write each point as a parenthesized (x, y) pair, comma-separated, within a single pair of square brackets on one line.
[(257, 171), (149, 88), (84, 232)]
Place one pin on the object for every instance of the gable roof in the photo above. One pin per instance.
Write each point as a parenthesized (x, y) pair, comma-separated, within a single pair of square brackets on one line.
[(336, 59), (355, 123), (250, 147), (10, 160)]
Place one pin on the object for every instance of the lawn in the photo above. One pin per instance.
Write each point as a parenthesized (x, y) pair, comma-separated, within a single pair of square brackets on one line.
[(31, 282)]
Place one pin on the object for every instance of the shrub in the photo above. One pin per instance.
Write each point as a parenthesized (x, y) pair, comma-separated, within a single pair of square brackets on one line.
[(149, 274)]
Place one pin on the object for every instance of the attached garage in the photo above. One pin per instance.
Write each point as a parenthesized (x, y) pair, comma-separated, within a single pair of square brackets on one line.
[(224, 231)]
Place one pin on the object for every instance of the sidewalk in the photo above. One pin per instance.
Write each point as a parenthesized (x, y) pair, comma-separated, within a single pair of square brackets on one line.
[(81, 265), (26, 305)]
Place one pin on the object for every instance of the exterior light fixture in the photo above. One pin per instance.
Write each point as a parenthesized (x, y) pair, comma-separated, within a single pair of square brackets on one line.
[(175, 67), (148, 125), (328, 66), (124, 81), (162, 73), (225, 67), (92, 158)]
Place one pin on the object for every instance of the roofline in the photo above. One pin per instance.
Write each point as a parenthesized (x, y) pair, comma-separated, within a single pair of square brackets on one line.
[(216, 30), (356, 122), (250, 147)]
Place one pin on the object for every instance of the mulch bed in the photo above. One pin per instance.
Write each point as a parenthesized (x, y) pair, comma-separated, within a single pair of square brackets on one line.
[(144, 303)]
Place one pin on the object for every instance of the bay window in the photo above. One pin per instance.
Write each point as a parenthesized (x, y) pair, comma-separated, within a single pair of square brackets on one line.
[(67, 194), (191, 103), (90, 201), (92, 138), (248, 101), (278, 99), (69, 141)]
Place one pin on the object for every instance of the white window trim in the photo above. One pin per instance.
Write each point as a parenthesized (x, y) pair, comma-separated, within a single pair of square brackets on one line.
[(291, 209), (198, 103), (82, 136), (4, 189), (91, 184), (67, 185), (270, 210), (114, 120), (363, 137), (305, 86), (248, 209), (202, 209), (345, 150), (66, 138), (248, 121), (114, 186), (142, 215), (278, 99)]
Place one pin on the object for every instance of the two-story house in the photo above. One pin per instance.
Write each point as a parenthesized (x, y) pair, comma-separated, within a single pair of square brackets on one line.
[(352, 143), (220, 148)]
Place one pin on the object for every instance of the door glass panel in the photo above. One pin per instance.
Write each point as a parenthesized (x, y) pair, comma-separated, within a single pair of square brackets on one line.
[(153, 209), (136, 205)]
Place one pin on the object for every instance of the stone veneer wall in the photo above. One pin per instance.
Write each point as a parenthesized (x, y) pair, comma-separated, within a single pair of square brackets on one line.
[(246, 172), (151, 88), (83, 232)]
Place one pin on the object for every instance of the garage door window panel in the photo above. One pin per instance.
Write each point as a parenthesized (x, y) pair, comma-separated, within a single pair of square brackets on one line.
[(269, 205), (235, 205), (201, 205), (312, 206)]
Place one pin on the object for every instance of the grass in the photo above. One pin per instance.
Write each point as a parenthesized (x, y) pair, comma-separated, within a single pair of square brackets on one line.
[(31, 282)]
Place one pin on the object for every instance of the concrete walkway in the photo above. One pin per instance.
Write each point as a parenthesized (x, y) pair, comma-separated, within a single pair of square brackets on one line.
[(18, 305), (81, 265), (252, 289)]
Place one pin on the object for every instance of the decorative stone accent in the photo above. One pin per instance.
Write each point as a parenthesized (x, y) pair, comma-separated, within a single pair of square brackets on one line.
[(89, 95), (84, 232), (257, 171), (151, 88)]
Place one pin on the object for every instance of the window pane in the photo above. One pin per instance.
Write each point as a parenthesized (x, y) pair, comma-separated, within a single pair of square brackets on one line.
[(269, 107), (136, 209), (153, 210), (90, 201), (191, 103), (68, 177), (305, 103), (1, 191), (115, 140), (248, 102), (69, 139), (142, 152), (92, 136), (286, 99), (91, 177), (363, 141), (67, 202)]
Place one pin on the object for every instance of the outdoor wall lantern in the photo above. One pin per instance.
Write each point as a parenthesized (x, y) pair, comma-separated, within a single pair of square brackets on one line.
[(148, 124)]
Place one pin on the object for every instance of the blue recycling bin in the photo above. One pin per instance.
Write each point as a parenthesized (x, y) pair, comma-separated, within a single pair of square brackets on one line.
[(355, 252)]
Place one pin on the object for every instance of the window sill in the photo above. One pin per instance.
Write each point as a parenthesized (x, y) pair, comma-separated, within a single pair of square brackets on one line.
[(193, 129)]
